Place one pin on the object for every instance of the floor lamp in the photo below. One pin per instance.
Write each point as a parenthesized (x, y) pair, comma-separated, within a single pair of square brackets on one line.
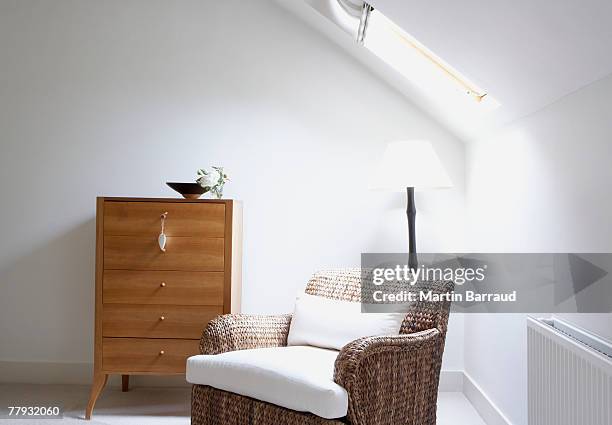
[(406, 166)]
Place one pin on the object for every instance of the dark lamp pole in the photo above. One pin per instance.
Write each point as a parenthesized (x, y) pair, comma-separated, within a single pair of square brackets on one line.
[(413, 262)]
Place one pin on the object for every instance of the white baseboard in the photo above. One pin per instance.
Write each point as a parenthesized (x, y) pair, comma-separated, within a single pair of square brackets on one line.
[(451, 381), (81, 374), (487, 410), (74, 374)]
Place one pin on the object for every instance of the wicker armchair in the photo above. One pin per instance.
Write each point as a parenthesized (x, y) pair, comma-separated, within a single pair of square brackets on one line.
[(390, 380)]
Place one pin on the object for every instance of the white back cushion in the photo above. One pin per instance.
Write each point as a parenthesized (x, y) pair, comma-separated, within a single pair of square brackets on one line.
[(327, 323)]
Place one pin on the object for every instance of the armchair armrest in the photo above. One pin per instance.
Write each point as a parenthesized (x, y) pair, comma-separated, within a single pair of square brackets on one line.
[(231, 332), (391, 379)]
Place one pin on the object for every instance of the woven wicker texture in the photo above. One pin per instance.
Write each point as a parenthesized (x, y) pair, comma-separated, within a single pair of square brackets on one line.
[(210, 406), (232, 332), (389, 379)]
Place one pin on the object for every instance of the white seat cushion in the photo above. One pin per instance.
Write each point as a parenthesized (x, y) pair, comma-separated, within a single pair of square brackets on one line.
[(298, 378)]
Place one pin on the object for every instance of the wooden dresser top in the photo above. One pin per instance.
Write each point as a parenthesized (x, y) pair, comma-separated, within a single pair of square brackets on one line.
[(129, 199)]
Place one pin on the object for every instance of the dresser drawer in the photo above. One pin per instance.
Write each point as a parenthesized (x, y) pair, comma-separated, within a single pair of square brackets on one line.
[(156, 321), (182, 253), (163, 287), (142, 355), (183, 219)]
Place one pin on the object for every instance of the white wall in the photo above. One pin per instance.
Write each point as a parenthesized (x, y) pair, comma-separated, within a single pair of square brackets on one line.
[(541, 185), (117, 97)]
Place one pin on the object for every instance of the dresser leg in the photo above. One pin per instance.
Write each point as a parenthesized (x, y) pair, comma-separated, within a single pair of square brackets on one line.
[(99, 381), (125, 383)]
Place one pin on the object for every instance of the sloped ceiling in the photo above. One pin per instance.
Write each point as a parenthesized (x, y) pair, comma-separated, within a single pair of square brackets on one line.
[(527, 54)]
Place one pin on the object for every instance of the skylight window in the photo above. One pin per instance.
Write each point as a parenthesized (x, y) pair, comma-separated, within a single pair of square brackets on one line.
[(401, 51), (412, 59)]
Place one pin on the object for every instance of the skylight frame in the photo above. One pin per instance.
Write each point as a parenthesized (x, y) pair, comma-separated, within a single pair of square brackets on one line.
[(372, 20)]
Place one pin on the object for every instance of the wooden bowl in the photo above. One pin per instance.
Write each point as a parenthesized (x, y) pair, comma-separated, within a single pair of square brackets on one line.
[(188, 190)]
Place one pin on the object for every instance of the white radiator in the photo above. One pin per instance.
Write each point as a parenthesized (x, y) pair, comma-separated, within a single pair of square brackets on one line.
[(570, 375)]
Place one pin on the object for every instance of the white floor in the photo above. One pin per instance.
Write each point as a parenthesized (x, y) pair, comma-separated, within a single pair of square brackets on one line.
[(153, 406)]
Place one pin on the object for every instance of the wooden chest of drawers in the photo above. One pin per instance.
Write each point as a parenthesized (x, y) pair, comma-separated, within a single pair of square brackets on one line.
[(154, 300)]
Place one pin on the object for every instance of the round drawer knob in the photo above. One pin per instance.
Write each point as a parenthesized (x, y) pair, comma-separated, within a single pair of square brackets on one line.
[(162, 318), (163, 284), (161, 353)]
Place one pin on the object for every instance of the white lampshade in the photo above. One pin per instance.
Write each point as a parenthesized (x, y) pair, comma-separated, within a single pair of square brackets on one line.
[(412, 163)]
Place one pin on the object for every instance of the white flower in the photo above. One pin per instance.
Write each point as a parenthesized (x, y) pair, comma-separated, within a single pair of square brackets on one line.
[(207, 179), (213, 180)]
